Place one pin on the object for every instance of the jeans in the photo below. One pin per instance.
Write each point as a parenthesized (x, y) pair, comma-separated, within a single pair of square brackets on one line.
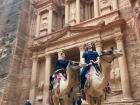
[(83, 73)]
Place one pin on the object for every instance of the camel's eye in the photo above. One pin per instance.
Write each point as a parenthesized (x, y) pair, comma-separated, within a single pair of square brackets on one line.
[(110, 52)]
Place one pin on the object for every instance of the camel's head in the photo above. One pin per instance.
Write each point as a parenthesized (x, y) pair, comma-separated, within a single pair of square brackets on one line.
[(110, 55), (73, 67)]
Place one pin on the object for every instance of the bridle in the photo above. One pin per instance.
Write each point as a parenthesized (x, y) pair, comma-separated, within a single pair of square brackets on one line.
[(107, 61)]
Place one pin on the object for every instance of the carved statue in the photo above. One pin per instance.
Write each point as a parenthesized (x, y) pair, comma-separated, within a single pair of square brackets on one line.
[(40, 90)]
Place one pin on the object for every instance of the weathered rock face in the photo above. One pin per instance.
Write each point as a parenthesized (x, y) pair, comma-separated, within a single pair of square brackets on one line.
[(131, 47), (13, 38), (16, 20), (9, 15)]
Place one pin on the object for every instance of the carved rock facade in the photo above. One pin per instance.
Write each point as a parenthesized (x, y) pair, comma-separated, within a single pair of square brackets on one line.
[(43, 27)]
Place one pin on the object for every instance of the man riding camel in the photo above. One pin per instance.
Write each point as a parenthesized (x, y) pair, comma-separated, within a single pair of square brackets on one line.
[(90, 56)]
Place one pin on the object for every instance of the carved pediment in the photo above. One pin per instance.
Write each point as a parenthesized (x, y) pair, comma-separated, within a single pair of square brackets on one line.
[(74, 31)]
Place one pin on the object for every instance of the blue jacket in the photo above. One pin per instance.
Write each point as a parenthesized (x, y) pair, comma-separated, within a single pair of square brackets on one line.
[(90, 55)]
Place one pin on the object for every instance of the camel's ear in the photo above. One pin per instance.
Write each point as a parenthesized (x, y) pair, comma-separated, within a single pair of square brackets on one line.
[(70, 62), (102, 53), (112, 48)]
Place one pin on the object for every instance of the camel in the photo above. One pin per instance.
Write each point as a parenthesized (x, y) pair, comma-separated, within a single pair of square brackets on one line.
[(96, 83), (62, 93)]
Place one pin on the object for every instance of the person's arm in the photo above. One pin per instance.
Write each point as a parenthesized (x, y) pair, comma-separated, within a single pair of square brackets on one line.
[(98, 58)]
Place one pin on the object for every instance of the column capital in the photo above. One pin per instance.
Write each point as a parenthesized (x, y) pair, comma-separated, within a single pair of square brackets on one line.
[(47, 55), (66, 2), (34, 58), (51, 7), (118, 38), (81, 47), (98, 43)]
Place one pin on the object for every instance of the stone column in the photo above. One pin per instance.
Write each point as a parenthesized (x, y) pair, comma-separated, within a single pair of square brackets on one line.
[(89, 11), (33, 80), (96, 8), (81, 49), (98, 46), (77, 11), (115, 4), (50, 19), (47, 76), (66, 13), (37, 25), (86, 12), (123, 70)]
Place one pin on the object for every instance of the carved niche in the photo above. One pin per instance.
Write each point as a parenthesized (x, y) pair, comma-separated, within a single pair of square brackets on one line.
[(105, 6), (72, 12), (40, 80), (55, 21), (44, 23)]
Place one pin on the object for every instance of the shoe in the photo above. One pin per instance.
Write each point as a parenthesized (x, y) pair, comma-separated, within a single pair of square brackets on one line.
[(84, 102), (83, 94)]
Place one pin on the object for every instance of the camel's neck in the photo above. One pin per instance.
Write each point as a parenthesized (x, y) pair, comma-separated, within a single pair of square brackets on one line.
[(70, 77), (69, 81), (106, 67)]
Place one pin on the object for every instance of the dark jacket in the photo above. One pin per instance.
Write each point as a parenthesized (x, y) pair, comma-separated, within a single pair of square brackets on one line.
[(61, 64), (27, 103)]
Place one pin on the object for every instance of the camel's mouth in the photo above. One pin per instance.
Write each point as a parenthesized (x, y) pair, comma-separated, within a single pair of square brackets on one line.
[(115, 53), (74, 65)]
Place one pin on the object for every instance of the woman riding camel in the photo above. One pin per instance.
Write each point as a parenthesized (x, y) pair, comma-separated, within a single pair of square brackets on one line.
[(90, 56), (61, 65)]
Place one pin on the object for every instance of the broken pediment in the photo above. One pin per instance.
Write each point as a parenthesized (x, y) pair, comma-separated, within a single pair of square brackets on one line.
[(73, 31)]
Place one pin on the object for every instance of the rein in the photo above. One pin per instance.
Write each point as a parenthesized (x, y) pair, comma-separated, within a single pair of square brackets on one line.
[(107, 60)]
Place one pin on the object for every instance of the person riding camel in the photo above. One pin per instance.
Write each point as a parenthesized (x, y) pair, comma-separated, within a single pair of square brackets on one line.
[(90, 56), (61, 64)]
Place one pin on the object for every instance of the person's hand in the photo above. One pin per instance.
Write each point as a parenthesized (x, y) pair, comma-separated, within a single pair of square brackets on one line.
[(96, 62), (91, 61), (89, 64), (82, 64)]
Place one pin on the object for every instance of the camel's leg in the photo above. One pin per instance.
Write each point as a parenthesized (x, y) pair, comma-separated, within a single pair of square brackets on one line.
[(93, 101), (78, 101), (68, 100), (61, 101), (88, 99), (55, 100), (99, 100)]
